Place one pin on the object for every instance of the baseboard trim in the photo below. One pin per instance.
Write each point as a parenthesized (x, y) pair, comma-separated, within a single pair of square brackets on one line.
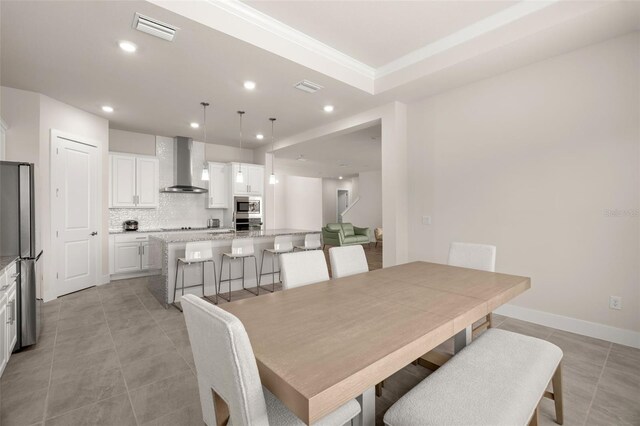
[(573, 325)]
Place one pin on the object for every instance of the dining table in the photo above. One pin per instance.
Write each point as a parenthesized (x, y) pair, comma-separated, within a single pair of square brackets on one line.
[(321, 345)]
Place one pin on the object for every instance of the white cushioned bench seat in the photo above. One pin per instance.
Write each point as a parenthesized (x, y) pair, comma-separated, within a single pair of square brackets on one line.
[(498, 379)]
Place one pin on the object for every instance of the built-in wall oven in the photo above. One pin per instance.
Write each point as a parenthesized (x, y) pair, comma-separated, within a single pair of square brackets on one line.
[(247, 213)]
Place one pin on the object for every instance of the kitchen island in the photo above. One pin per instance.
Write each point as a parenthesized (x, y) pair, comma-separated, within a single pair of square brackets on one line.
[(165, 249)]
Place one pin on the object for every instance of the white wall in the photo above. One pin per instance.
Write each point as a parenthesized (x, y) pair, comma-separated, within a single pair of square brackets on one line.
[(298, 203), (367, 212), (31, 117), (531, 161), (132, 142)]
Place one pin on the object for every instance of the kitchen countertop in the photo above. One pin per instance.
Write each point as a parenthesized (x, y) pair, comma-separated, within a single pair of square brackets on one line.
[(6, 261), (208, 236), (164, 231)]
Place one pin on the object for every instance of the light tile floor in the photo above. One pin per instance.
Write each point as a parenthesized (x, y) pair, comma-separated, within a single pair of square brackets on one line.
[(112, 355)]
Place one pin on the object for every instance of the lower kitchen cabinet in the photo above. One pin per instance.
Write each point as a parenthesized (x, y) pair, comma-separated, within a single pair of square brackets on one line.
[(127, 257), (4, 353), (8, 313), (147, 262), (129, 254), (11, 322)]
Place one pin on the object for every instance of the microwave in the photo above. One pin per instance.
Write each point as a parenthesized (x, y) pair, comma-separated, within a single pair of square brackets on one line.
[(248, 207)]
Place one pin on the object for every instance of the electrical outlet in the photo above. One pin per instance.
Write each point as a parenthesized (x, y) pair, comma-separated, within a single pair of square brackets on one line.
[(615, 302), (426, 220)]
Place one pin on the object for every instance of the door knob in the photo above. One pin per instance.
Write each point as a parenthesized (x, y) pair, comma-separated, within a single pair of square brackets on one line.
[(93, 234)]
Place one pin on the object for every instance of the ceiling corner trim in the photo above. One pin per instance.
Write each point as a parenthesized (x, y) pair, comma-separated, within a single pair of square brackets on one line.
[(267, 23), (490, 23)]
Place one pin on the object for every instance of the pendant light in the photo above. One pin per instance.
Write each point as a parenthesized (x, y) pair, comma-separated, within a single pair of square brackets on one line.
[(272, 177), (239, 177), (205, 168)]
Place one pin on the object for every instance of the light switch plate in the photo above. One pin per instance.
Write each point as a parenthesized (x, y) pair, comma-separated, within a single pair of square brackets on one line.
[(615, 302), (426, 220)]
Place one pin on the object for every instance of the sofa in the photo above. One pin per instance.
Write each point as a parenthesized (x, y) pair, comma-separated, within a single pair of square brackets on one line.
[(344, 234)]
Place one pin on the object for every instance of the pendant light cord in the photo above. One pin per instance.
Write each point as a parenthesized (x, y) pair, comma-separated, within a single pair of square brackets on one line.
[(240, 113), (273, 144)]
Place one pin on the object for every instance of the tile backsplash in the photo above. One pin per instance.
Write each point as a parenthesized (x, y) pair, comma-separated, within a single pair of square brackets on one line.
[(175, 210)]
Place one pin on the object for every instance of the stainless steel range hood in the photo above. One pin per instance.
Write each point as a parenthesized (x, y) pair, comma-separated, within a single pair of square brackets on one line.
[(183, 167)]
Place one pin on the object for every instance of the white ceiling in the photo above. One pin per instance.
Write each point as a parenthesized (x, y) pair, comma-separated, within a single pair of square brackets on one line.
[(344, 155), (378, 32), (68, 50)]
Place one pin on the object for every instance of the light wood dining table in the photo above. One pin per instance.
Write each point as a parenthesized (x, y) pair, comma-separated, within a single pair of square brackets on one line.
[(320, 345)]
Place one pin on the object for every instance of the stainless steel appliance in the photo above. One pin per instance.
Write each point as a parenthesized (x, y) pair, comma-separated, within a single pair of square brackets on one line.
[(130, 225), (248, 206), (18, 238), (248, 224), (183, 166), (213, 223), (247, 213)]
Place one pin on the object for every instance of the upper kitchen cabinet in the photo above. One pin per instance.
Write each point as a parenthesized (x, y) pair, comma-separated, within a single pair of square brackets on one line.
[(218, 186), (253, 179), (134, 181)]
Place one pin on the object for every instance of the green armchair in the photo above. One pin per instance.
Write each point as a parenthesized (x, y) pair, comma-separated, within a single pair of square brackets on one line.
[(344, 234)]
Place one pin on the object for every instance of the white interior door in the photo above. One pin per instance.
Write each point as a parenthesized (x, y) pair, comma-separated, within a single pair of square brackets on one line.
[(75, 214)]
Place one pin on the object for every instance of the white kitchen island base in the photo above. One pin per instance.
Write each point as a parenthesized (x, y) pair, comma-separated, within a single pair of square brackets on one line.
[(166, 249)]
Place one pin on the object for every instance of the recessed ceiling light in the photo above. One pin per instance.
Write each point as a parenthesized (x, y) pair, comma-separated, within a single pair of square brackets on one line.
[(260, 136), (328, 108), (107, 108), (127, 46), (301, 158), (194, 125), (340, 177), (249, 85)]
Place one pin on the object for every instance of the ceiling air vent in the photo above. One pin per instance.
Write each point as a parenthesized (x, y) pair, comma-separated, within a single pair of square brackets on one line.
[(308, 86), (154, 27)]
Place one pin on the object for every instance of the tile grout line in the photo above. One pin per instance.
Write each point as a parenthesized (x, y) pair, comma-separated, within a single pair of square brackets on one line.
[(595, 390), (126, 386), (166, 335)]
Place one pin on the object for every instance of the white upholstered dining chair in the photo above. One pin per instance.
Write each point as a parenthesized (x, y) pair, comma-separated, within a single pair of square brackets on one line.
[(227, 372), (474, 256), (303, 268), (347, 260)]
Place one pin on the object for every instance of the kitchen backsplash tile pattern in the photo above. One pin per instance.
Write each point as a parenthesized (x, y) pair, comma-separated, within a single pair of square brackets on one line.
[(174, 210)]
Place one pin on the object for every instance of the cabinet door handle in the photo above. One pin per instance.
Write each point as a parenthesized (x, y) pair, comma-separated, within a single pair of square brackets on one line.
[(10, 319), (142, 249), (139, 251)]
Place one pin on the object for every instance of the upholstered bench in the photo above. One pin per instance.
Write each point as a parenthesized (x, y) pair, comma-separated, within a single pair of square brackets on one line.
[(499, 379)]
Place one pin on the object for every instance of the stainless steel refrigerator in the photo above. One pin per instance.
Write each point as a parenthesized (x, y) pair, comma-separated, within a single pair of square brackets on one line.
[(18, 238)]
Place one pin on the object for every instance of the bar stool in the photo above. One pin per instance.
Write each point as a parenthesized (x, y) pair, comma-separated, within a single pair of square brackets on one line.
[(198, 252), (241, 248), (311, 242), (281, 244)]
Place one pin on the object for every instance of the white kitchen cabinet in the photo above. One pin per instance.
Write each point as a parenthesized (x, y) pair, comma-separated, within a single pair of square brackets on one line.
[(4, 352), (147, 182), (218, 197), (256, 179), (127, 257), (253, 182), (134, 181), (11, 321), (130, 254), (145, 260)]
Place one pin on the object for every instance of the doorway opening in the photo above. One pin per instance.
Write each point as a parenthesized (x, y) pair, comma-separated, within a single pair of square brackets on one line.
[(342, 203)]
